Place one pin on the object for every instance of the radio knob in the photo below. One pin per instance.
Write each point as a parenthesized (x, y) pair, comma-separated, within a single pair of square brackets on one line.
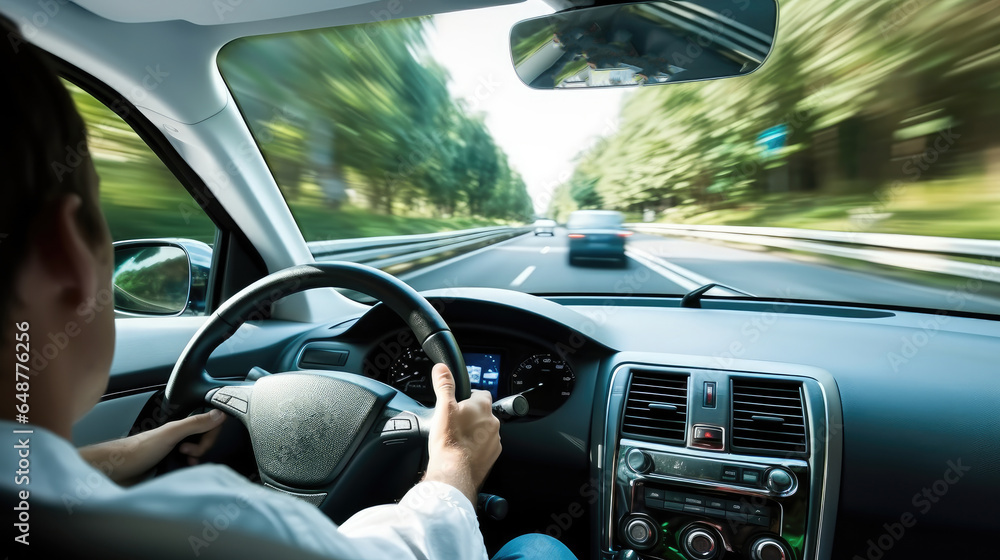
[(769, 548), (639, 461), (640, 533), (701, 544), (779, 480)]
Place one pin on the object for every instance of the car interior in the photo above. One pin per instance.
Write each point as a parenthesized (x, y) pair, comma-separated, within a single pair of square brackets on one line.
[(655, 427)]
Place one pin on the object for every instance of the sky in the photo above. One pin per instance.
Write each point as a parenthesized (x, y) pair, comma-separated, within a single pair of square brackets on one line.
[(540, 131)]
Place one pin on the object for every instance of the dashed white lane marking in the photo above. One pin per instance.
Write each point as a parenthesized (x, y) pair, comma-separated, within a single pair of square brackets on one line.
[(522, 277), (545, 249), (686, 279)]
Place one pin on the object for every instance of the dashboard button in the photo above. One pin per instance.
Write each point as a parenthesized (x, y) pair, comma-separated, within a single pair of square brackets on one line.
[(751, 476), (694, 500), (653, 503), (711, 512), (654, 494), (759, 520), (673, 506), (639, 533), (639, 461), (715, 503), (710, 394), (779, 480), (700, 543), (769, 548), (669, 496), (758, 510), (730, 474), (737, 517), (734, 506), (708, 437), (694, 509)]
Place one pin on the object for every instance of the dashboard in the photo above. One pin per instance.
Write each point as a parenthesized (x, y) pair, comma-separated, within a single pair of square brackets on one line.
[(502, 364), (746, 429)]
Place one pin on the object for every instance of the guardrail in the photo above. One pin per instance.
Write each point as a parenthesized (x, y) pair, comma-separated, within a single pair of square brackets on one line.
[(402, 252), (914, 252)]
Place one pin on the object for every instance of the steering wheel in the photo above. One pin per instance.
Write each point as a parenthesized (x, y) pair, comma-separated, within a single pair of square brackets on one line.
[(306, 426)]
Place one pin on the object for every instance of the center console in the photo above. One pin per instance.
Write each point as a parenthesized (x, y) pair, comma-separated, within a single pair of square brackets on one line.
[(707, 464)]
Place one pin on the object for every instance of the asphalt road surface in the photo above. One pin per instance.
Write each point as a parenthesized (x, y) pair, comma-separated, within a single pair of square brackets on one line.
[(666, 265)]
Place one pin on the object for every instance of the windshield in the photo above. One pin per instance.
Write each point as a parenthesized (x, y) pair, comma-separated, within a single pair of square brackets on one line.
[(859, 164)]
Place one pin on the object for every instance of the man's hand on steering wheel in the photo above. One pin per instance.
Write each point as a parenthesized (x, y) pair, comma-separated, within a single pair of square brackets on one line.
[(464, 439)]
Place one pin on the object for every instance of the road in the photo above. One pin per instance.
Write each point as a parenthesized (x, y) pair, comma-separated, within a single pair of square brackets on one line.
[(666, 265)]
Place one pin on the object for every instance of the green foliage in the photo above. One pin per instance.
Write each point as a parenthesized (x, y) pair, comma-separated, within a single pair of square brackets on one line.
[(139, 196), (361, 117), (869, 93)]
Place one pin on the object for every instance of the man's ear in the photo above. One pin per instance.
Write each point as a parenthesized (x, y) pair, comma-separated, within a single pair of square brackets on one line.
[(66, 254)]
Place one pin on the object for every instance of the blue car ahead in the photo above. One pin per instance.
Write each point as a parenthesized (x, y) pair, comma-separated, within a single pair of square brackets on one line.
[(597, 234)]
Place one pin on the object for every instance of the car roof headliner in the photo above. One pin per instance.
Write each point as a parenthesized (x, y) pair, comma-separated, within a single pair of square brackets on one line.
[(123, 42), (223, 12)]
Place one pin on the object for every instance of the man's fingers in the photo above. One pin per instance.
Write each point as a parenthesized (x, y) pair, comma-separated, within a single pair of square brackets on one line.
[(444, 383), (201, 423), (483, 400), (482, 394), (196, 450)]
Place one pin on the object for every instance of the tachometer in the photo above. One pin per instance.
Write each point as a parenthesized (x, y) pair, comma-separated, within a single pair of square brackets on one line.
[(411, 374), (545, 380)]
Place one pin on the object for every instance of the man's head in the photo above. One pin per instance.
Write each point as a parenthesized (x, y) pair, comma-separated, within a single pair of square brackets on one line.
[(55, 248)]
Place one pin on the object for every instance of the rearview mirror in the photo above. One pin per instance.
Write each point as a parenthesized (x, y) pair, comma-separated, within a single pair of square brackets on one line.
[(160, 277), (644, 43)]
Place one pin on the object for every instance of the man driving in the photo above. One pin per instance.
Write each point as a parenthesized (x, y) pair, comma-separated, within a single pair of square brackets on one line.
[(57, 260)]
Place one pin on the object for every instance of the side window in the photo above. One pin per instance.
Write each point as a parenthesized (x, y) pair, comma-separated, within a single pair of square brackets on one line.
[(142, 200)]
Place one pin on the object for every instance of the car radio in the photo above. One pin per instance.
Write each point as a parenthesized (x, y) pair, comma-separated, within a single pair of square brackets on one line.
[(705, 508), (702, 464)]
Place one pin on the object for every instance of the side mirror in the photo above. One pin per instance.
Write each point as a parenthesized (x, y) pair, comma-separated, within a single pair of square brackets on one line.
[(161, 277), (644, 43)]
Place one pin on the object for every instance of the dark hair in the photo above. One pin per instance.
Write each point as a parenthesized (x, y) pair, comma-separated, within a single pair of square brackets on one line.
[(43, 155)]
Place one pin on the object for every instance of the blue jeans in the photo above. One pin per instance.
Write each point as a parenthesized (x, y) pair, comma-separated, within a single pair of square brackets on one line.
[(534, 546)]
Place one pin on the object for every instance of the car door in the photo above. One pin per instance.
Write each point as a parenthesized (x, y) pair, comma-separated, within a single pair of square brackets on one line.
[(151, 198)]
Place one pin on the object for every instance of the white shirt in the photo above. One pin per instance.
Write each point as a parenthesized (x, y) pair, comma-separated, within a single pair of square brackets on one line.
[(433, 520)]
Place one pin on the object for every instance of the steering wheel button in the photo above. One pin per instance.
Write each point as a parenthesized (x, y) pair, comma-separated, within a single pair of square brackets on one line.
[(238, 404), (402, 424), (222, 398)]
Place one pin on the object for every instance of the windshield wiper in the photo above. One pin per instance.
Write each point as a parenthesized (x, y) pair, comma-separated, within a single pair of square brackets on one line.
[(692, 299)]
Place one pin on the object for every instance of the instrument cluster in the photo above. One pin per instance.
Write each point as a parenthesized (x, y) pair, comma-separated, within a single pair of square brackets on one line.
[(503, 367)]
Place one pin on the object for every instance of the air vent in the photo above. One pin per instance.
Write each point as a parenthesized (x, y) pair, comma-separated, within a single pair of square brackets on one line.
[(656, 407), (768, 417)]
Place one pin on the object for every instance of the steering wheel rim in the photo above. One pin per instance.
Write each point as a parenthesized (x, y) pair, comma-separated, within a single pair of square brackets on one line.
[(189, 381)]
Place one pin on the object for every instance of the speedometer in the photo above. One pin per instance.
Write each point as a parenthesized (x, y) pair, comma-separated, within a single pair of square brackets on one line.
[(545, 380)]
